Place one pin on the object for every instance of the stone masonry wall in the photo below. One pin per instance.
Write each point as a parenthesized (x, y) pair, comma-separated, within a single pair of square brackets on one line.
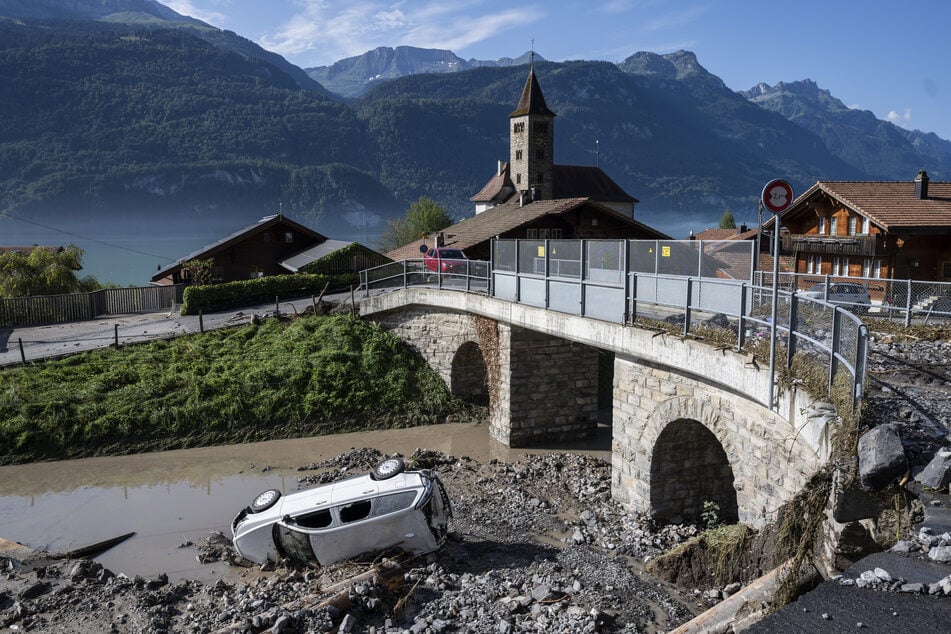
[(550, 391), (770, 461)]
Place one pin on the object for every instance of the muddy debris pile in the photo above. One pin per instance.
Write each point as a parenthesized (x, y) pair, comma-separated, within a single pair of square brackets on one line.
[(536, 545)]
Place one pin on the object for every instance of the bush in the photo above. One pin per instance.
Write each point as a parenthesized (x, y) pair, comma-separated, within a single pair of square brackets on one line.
[(249, 292)]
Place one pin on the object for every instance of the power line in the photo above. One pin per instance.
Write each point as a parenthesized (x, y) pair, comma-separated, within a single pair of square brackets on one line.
[(87, 238)]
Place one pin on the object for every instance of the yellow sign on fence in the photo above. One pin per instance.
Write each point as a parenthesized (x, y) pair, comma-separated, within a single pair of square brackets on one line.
[(665, 252)]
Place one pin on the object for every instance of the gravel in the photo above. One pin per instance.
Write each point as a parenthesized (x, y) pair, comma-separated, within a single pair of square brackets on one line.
[(536, 546)]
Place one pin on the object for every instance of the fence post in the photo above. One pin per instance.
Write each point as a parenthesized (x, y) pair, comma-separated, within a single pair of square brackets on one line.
[(741, 325), (22, 354), (627, 282), (116, 334), (836, 340), (201, 321), (687, 306), (908, 305), (277, 307), (793, 325)]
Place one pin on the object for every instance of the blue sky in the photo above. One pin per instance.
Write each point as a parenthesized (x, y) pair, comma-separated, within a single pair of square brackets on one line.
[(888, 57)]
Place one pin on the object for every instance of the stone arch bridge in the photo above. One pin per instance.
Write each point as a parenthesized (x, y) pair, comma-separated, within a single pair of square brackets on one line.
[(689, 421)]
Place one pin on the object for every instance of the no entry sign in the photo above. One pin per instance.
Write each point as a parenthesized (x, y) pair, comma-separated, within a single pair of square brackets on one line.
[(777, 195)]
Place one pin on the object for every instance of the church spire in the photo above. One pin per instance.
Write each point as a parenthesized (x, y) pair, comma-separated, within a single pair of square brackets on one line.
[(532, 100), (531, 141)]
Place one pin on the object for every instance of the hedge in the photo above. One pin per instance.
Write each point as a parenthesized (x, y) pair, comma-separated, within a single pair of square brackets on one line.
[(249, 292)]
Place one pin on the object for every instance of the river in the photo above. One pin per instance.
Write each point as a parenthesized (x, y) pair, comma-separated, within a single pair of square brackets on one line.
[(169, 497)]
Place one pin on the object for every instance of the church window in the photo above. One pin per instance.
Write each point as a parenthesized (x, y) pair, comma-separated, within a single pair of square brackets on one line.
[(518, 155), (518, 179), (539, 153), (541, 127), (518, 127)]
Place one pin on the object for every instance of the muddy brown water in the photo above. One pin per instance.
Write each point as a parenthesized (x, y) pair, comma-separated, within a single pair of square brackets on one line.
[(169, 497)]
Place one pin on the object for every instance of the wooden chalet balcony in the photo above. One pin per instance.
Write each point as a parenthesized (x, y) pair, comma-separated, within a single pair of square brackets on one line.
[(869, 246)]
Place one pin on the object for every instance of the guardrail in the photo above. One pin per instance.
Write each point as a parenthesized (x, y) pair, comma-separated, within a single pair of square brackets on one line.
[(459, 275)]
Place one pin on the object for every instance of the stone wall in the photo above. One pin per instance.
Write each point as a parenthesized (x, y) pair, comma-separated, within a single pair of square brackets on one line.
[(663, 460), (550, 391)]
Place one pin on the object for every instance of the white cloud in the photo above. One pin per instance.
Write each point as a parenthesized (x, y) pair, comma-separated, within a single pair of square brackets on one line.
[(187, 7), (331, 30), (903, 120)]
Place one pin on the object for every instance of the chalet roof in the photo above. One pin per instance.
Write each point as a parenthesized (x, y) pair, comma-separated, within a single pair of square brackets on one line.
[(532, 101), (499, 186), (238, 236), (30, 249), (716, 234), (299, 260), (510, 216), (892, 205), (572, 181)]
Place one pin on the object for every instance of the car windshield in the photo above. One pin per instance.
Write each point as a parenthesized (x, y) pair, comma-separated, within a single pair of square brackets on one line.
[(294, 544), (818, 288), (450, 254)]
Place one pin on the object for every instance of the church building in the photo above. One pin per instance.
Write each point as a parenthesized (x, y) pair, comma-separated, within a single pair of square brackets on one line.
[(532, 198)]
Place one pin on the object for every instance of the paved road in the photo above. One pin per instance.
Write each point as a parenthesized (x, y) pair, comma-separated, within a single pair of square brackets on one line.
[(43, 342)]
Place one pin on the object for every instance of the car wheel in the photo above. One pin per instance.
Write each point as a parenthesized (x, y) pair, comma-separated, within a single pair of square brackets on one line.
[(388, 468), (265, 500)]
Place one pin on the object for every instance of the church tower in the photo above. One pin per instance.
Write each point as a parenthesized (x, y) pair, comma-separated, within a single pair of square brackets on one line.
[(531, 142)]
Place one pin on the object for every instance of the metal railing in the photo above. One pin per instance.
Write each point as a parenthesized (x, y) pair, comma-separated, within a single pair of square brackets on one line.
[(57, 309), (905, 300), (612, 289), (605, 280), (460, 275)]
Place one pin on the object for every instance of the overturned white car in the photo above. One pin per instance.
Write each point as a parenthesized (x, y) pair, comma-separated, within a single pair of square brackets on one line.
[(387, 508)]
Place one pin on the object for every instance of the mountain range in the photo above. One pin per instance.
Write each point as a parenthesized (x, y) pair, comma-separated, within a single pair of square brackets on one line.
[(119, 109)]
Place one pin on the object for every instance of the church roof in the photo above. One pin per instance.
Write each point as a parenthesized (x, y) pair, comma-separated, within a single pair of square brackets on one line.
[(532, 100), (572, 181), (498, 188)]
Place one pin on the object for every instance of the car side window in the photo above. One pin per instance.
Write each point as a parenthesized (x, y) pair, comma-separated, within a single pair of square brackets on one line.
[(392, 503), (355, 511), (320, 519)]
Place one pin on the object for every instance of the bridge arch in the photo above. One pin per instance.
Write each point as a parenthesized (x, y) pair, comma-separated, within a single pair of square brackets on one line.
[(469, 377), (689, 468)]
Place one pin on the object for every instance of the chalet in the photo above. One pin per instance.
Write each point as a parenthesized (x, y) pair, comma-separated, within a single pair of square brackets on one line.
[(530, 197), (274, 245), (889, 230)]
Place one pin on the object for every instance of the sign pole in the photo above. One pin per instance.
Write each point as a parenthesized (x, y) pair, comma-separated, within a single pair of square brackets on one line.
[(777, 197)]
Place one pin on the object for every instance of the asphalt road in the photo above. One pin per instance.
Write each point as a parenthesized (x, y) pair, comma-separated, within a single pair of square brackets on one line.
[(35, 343)]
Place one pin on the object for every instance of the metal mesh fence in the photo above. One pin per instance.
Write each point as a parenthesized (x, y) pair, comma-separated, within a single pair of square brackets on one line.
[(908, 300), (727, 259)]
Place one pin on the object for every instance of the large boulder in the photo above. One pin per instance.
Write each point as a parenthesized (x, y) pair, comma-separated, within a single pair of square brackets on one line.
[(937, 475), (881, 458)]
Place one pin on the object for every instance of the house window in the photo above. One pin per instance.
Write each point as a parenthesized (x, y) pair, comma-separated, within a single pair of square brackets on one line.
[(543, 234), (840, 266), (867, 268), (288, 236), (946, 270), (518, 155), (853, 225), (833, 226), (822, 225), (810, 264), (266, 236), (865, 227)]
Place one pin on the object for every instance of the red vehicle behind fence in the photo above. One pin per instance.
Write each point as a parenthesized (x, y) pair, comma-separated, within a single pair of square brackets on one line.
[(445, 260)]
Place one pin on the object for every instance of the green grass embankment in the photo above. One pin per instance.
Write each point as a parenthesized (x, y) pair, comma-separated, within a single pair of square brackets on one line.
[(310, 376)]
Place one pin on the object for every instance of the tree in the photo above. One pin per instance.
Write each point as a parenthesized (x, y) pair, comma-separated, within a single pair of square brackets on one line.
[(422, 218), (727, 221), (43, 271)]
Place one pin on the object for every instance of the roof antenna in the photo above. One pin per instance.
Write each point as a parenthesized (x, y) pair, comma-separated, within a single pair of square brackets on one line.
[(597, 153)]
